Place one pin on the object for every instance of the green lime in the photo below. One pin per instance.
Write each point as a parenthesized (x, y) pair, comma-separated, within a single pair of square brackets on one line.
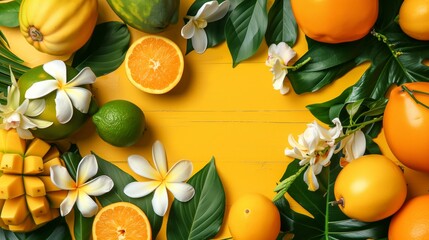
[(56, 131), (120, 123)]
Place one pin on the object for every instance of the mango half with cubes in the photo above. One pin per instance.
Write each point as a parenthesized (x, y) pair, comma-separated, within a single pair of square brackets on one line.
[(28, 198)]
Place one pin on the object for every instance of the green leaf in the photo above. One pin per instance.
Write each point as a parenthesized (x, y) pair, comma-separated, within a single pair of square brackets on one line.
[(201, 217), (282, 26), (328, 222), (245, 29), (106, 49), (82, 225), (121, 179), (54, 230), (214, 30), (9, 13)]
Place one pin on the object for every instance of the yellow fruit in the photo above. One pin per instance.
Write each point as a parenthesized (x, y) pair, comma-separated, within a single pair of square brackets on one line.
[(25, 194), (370, 188), (154, 64), (119, 122), (56, 131), (58, 27), (411, 222), (414, 18), (121, 220), (254, 216)]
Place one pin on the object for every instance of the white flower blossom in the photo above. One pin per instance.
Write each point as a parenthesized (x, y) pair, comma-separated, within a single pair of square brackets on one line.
[(278, 57), (21, 116), (161, 179), (81, 190), (194, 29), (314, 147), (69, 94), (353, 146)]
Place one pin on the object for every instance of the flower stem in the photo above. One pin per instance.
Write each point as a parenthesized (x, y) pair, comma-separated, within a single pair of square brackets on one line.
[(284, 185), (411, 93), (358, 127), (299, 65)]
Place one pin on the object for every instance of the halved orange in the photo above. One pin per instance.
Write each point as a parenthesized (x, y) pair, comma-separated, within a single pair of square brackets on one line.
[(154, 64), (121, 220)]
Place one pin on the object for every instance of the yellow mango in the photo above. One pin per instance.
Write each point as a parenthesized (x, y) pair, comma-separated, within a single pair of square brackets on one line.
[(38, 148), (38, 206), (52, 153), (56, 198), (12, 163), (33, 165), (51, 214), (47, 165), (27, 225), (49, 185), (14, 144), (3, 135), (34, 186), (14, 211), (11, 186)]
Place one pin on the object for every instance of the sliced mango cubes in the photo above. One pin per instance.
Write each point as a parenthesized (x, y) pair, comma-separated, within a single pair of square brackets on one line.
[(28, 198)]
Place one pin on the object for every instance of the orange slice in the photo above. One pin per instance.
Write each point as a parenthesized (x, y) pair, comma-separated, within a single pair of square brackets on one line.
[(154, 64), (121, 220)]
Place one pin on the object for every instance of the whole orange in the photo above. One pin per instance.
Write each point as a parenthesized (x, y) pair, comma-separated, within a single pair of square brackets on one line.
[(411, 222), (254, 216), (414, 18), (406, 125), (335, 21)]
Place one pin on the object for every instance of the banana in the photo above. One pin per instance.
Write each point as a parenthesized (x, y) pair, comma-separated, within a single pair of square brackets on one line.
[(33, 165), (34, 186), (11, 186), (12, 163)]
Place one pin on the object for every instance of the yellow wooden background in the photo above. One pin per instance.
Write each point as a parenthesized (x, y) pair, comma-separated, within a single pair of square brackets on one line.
[(232, 114)]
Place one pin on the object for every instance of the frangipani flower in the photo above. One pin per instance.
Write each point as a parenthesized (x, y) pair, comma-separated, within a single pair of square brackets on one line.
[(314, 147), (353, 147), (194, 29), (69, 93), (161, 179), (278, 57), (21, 116), (81, 190)]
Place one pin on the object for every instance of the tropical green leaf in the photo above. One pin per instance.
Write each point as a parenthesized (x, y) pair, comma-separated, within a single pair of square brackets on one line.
[(54, 230), (121, 179), (201, 217), (214, 30), (282, 26), (105, 51), (9, 13), (327, 221), (245, 29)]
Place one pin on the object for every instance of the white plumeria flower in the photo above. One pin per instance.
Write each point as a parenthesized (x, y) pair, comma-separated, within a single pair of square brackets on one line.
[(194, 29), (69, 93), (353, 147), (21, 116), (81, 190), (278, 57), (161, 179), (314, 147)]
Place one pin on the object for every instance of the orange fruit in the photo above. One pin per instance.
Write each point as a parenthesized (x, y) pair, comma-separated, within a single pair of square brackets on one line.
[(335, 21), (411, 222), (254, 216), (154, 64), (413, 19), (121, 220), (372, 182)]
